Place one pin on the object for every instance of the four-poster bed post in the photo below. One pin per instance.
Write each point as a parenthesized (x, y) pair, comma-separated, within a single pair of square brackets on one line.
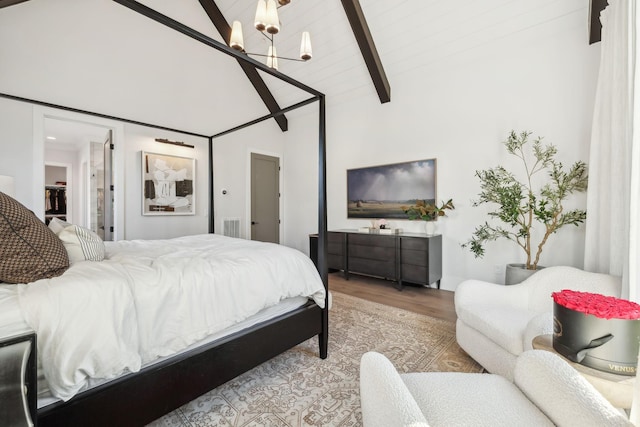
[(142, 397)]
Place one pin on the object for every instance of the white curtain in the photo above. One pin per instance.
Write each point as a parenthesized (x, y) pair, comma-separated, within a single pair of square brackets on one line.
[(613, 198)]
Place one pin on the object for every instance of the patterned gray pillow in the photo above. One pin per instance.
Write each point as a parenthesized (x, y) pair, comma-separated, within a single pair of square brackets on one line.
[(29, 251)]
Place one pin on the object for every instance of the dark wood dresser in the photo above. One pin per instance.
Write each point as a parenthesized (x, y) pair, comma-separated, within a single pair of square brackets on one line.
[(404, 257)]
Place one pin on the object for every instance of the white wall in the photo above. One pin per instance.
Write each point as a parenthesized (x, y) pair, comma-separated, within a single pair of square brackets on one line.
[(53, 174), (16, 134), (301, 177), (231, 172), (458, 111), (137, 226), (22, 142)]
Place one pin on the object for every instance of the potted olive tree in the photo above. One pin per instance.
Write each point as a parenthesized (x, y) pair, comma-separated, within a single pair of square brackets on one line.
[(519, 207)]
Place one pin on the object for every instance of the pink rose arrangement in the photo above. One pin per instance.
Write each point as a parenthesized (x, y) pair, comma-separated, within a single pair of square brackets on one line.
[(601, 306)]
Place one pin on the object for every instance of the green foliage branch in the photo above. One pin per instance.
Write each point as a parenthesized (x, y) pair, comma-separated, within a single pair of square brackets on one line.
[(518, 206), (427, 211)]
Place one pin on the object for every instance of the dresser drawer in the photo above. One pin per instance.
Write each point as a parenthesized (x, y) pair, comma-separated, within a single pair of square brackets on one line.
[(335, 248), (335, 262), (372, 240), (415, 274), (335, 238), (414, 244), (385, 268), (412, 257), (377, 253)]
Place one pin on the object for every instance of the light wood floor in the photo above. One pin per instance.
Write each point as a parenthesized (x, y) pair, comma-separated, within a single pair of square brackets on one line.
[(430, 301)]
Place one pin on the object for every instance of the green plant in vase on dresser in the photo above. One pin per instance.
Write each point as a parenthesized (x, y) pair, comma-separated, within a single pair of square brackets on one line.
[(428, 212)]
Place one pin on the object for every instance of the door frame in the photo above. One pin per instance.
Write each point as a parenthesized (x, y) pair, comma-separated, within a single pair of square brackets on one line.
[(109, 208), (248, 191), (41, 113)]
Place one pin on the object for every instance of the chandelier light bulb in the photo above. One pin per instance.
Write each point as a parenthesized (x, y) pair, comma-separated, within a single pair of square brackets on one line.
[(272, 22), (261, 15), (236, 41), (272, 57), (305, 47), (267, 21)]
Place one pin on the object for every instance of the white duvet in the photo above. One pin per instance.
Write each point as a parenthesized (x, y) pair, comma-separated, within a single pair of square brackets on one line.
[(154, 298)]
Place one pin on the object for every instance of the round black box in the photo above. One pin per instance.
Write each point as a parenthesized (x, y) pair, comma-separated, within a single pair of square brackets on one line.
[(573, 331)]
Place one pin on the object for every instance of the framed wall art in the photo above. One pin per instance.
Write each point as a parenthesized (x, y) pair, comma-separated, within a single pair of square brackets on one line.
[(380, 191), (168, 184)]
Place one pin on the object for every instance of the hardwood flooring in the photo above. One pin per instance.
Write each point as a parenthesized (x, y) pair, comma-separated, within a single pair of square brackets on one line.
[(430, 301)]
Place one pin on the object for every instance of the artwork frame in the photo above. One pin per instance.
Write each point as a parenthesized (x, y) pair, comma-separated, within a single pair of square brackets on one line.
[(168, 184), (379, 191)]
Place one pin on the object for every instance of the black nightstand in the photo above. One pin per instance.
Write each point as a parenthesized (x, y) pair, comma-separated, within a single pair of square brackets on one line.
[(18, 376)]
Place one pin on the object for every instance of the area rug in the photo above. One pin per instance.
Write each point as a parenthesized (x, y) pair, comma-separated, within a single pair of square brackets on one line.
[(297, 388)]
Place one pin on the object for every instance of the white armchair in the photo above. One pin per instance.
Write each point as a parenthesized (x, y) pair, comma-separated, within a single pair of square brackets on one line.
[(496, 322), (546, 392)]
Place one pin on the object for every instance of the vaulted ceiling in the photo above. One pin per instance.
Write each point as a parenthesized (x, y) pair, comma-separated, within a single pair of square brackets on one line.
[(100, 56), (67, 31)]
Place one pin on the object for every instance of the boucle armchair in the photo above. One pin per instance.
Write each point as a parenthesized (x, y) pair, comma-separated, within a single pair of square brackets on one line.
[(496, 322), (546, 392)]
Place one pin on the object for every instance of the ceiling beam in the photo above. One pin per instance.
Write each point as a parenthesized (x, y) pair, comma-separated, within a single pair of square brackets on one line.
[(368, 48), (595, 27), (223, 27), (161, 19), (6, 3)]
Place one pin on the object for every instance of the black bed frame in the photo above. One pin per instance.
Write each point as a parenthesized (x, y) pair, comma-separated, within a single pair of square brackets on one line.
[(137, 399)]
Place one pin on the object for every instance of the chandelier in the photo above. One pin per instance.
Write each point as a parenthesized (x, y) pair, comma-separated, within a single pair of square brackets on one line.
[(267, 22)]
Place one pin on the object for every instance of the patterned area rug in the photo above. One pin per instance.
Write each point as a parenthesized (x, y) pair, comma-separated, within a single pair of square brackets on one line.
[(297, 388)]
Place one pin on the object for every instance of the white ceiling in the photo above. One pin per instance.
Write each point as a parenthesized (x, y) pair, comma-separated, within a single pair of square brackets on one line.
[(100, 56), (410, 35), (71, 135)]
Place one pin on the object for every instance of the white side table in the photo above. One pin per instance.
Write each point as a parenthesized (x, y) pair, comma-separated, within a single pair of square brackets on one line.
[(617, 389)]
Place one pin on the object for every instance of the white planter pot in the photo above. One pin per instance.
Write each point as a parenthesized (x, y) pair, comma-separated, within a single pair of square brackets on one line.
[(430, 227), (516, 273)]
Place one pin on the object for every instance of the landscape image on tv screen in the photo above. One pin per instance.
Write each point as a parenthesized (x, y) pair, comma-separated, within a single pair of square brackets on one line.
[(380, 191)]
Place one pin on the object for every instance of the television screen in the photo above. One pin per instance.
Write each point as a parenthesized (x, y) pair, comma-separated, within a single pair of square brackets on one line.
[(380, 191)]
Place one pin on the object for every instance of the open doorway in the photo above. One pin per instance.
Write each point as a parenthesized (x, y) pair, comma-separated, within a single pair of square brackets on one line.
[(57, 181), (79, 148)]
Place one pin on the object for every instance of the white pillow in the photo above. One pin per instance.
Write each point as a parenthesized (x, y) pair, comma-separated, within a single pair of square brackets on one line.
[(57, 225), (81, 244)]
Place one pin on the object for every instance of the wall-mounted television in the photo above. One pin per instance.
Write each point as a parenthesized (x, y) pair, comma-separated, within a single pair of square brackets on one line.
[(380, 191)]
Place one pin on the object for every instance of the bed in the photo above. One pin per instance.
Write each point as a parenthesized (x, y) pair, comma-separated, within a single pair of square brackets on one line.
[(134, 399), (133, 329)]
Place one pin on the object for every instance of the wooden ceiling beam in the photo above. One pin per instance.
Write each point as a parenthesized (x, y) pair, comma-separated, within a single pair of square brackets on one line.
[(223, 27), (7, 3), (368, 48), (595, 27)]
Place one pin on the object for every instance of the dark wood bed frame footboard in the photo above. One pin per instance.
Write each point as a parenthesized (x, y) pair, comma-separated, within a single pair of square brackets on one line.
[(137, 399)]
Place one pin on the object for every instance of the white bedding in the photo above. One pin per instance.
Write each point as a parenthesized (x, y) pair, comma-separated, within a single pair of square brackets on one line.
[(149, 299), (46, 398)]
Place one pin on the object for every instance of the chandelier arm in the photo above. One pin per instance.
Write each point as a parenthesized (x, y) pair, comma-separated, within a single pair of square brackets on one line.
[(279, 57), (267, 35)]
